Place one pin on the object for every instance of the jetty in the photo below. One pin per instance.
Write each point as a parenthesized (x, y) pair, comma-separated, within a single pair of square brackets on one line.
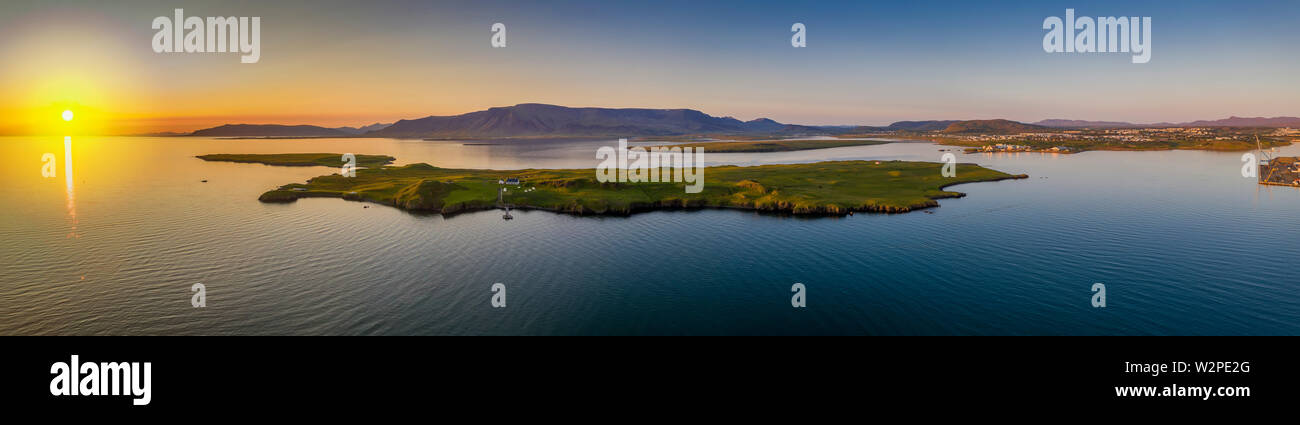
[(501, 203)]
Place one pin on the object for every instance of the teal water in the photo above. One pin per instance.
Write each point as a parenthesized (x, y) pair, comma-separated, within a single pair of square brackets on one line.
[(1182, 242)]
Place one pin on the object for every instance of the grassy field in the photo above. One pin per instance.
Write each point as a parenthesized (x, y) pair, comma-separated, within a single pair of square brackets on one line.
[(824, 188), (774, 145), (300, 159)]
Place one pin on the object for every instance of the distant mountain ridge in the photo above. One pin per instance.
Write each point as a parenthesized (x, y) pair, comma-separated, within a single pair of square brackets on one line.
[(998, 126), (1064, 123), (541, 120), (365, 129), (279, 130), (1233, 121), (930, 125), (1247, 122), (268, 130), (921, 125)]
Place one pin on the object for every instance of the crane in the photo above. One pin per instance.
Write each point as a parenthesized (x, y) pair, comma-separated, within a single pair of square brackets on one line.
[(1265, 161)]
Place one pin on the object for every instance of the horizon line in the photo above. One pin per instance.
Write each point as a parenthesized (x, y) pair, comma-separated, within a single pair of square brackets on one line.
[(304, 120)]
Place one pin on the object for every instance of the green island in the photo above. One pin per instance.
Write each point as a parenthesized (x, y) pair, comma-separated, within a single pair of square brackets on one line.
[(823, 188), (774, 145), (300, 159)]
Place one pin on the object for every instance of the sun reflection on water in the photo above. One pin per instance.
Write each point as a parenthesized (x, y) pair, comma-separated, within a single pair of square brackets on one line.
[(69, 189)]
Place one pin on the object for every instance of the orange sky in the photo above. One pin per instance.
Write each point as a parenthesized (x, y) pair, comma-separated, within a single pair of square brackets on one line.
[(353, 64)]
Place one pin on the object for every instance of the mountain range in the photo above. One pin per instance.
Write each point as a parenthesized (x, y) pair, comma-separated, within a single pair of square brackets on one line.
[(541, 120), (278, 130), (991, 127), (1226, 122), (365, 128), (932, 125)]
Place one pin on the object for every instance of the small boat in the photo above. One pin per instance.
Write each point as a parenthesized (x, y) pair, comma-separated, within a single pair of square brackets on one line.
[(507, 215), (203, 181)]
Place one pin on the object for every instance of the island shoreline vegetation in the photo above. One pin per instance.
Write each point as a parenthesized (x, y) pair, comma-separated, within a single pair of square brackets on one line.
[(832, 188), (299, 159), (767, 146)]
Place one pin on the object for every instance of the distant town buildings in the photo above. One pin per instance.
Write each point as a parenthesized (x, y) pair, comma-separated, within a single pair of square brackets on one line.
[(1059, 139), (1022, 148)]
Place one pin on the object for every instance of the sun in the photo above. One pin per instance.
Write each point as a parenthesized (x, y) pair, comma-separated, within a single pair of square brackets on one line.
[(65, 118)]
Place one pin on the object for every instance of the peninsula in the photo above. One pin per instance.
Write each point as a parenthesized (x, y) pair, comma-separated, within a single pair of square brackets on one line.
[(823, 188)]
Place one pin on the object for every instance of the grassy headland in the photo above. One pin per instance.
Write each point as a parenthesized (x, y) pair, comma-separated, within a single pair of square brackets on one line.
[(300, 159), (824, 188), (774, 145)]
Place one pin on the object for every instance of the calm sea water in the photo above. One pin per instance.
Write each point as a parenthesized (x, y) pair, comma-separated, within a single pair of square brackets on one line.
[(1183, 244)]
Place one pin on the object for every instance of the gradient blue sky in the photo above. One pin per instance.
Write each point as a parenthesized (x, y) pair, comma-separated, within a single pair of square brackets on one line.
[(350, 63)]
